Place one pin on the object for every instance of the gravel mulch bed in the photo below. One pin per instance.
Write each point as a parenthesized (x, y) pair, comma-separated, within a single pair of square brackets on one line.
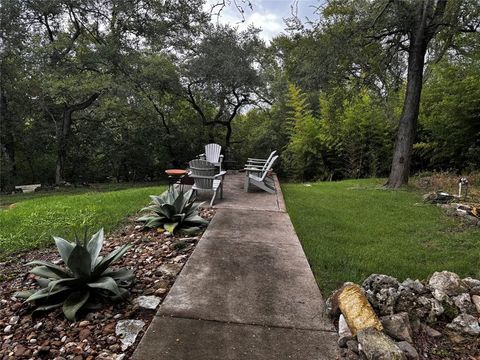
[(156, 259)]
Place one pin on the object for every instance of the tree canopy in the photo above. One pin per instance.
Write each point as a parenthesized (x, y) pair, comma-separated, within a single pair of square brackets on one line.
[(120, 90)]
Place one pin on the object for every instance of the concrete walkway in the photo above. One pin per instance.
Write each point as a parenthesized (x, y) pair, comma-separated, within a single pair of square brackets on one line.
[(247, 291)]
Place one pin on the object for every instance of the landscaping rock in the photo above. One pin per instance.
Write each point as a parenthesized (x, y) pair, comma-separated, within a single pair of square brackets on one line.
[(171, 270), (415, 286), (466, 324), (378, 346), (397, 326), (344, 333), (475, 290), (476, 302), (431, 331), (356, 309), (409, 350), (447, 282), (382, 292), (429, 308), (148, 302), (377, 282), (441, 296), (464, 303), (352, 345), (470, 282), (128, 330)]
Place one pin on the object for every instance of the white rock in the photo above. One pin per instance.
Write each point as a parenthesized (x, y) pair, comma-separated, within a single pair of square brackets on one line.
[(13, 320), (466, 324), (128, 330), (7, 329), (344, 333), (147, 302), (447, 282)]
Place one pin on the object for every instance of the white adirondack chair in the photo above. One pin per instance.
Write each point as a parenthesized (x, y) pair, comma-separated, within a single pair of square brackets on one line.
[(261, 179), (212, 155), (205, 179)]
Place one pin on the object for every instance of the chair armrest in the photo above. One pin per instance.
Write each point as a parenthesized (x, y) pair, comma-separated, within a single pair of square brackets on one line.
[(221, 158), (221, 173), (252, 169), (257, 159)]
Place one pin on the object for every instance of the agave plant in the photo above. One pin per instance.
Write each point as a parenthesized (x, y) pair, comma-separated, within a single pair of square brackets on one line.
[(173, 210), (85, 282)]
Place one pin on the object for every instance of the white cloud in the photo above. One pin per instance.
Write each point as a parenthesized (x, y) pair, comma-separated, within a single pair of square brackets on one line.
[(268, 20)]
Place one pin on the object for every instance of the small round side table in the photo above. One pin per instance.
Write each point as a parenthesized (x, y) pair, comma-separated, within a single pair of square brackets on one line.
[(175, 176)]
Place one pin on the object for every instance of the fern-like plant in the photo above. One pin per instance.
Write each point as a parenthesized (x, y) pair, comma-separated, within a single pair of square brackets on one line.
[(173, 210), (86, 280)]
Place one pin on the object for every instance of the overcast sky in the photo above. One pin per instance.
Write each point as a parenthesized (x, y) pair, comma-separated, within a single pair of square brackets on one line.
[(268, 15)]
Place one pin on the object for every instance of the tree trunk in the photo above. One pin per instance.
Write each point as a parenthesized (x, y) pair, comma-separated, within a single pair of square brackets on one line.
[(402, 154), (8, 170), (63, 132)]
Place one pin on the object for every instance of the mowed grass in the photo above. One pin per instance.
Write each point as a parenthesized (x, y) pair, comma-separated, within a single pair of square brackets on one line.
[(351, 229), (32, 219)]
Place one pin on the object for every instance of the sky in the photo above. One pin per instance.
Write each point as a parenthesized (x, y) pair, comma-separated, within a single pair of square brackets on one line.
[(268, 15)]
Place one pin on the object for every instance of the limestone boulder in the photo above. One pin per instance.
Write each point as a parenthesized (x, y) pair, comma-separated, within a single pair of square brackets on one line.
[(465, 324), (356, 309), (447, 282), (410, 352), (378, 346), (397, 326)]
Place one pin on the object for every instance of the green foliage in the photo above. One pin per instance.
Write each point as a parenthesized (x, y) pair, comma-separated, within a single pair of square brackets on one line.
[(348, 137), (450, 117), (302, 158), (173, 210), (351, 229), (359, 133), (86, 280)]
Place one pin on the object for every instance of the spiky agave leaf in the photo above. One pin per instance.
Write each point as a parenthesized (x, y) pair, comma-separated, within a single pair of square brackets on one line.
[(110, 259), (80, 263), (57, 270), (64, 248), (95, 245), (74, 302)]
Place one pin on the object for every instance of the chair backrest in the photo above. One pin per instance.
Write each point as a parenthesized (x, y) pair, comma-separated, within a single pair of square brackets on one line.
[(269, 167), (206, 170), (212, 152), (268, 159)]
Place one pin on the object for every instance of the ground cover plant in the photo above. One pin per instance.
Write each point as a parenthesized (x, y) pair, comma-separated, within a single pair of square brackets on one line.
[(30, 223), (351, 229)]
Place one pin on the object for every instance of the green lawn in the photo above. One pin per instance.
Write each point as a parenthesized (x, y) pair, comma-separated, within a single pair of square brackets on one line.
[(34, 218), (351, 229)]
